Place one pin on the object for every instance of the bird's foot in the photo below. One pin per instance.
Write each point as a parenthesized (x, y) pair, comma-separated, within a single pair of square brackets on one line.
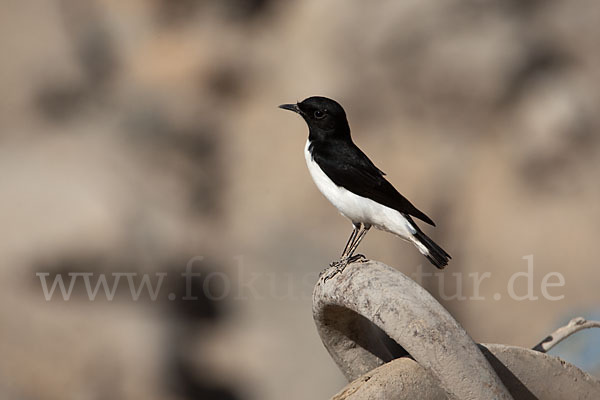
[(337, 267), (338, 263), (357, 258)]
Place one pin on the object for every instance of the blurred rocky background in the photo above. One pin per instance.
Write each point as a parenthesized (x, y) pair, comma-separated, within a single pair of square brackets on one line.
[(135, 135)]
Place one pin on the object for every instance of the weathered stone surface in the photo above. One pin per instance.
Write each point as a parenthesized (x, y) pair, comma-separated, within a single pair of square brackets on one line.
[(367, 312), (399, 379), (527, 374), (372, 319)]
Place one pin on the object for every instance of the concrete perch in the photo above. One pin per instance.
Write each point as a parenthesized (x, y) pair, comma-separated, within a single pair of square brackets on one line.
[(394, 340), (371, 314), (527, 374)]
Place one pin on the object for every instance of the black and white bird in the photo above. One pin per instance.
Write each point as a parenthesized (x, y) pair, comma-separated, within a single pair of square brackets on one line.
[(355, 186)]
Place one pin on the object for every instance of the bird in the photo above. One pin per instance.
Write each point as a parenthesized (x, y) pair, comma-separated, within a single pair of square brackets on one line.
[(355, 186)]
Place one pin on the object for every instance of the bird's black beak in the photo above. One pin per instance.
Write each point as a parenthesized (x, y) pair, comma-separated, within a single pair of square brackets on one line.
[(291, 107)]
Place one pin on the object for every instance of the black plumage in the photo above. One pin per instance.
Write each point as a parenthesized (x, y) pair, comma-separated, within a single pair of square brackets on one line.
[(356, 187), (347, 166)]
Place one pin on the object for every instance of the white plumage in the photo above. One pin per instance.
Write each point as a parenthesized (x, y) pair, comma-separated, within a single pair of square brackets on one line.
[(361, 209)]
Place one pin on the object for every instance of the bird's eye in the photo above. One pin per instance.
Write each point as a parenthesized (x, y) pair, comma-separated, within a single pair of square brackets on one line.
[(319, 114)]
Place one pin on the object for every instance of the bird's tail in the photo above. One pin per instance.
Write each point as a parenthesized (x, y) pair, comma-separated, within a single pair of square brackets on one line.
[(434, 253)]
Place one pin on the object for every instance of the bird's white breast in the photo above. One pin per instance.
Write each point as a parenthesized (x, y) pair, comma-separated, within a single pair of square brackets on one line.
[(355, 207)]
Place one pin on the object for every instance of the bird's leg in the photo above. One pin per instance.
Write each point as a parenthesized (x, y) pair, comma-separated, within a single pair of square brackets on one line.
[(351, 257), (357, 227), (351, 239), (347, 257)]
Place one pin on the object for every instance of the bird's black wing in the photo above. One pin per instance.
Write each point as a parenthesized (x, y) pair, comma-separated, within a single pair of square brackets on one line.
[(347, 166)]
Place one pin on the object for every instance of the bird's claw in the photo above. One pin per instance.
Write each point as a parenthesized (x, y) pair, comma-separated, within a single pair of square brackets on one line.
[(357, 258), (337, 267)]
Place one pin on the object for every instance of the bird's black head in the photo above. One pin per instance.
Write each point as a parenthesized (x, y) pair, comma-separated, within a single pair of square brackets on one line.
[(326, 119)]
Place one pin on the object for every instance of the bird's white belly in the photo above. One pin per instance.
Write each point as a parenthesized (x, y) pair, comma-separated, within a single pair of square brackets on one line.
[(355, 207)]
